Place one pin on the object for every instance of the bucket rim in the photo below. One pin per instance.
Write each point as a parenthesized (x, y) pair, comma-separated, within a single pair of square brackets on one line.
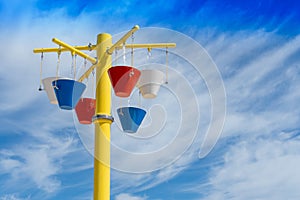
[(131, 107), (124, 65)]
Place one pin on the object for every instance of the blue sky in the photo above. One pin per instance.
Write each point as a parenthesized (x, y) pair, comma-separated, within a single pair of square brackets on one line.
[(255, 46)]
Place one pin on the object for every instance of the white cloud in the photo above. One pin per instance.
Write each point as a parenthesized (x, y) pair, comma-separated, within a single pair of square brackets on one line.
[(126, 196), (263, 168), (262, 94), (261, 75), (37, 163), (143, 181), (12, 197)]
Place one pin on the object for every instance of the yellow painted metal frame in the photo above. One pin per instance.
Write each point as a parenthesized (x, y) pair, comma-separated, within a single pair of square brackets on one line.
[(104, 48)]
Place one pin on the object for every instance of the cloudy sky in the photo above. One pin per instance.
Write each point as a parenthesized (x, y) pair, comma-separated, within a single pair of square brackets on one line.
[(251, 52)]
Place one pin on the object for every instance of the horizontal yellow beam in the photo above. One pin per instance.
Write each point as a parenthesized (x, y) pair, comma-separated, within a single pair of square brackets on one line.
[(74, 50), (92, 47), (118, 45), (150, 46), (122, 40), (49, 50)]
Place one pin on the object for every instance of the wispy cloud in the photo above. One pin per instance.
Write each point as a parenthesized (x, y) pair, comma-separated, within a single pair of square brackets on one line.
[(255, 117), (36, 163), (263, 168), (126, 196), (260, 151), (12, 197)]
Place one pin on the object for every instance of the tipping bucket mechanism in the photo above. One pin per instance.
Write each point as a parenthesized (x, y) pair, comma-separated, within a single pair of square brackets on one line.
[(85, 110), (68, 92), (131, 118), (149, 83), (123, 79), (86, 106), (47, 84)]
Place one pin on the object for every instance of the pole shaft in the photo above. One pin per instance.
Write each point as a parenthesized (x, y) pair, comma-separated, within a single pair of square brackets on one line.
[(102, 126)]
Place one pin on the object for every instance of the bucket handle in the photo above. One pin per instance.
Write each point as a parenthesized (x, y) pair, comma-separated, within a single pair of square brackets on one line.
[(121, 112), (55, 86), (57, 68), (131, 73)]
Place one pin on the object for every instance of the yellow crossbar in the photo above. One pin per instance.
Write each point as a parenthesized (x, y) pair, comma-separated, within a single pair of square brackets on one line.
[(49, 50), (123, 39), (74, 50)]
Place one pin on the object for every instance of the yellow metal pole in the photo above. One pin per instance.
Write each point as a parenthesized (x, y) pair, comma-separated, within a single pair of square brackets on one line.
[(102, 118), (102, 121)]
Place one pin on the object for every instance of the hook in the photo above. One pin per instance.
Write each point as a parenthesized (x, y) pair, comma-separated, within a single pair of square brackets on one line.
[(149, 53), (55, 86), (90, 46)]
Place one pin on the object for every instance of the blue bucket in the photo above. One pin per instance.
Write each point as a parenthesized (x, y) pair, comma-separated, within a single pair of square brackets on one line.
[(68, 92), (131, 118)]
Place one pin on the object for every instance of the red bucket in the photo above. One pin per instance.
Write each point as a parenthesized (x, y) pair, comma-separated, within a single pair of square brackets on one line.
[(85, 110), (123, 79)]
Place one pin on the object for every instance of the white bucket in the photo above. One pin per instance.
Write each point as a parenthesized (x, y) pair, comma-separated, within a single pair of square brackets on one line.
[(47, 83), (149, 83)]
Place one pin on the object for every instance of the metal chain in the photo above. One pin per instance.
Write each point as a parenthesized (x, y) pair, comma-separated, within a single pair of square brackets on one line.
[(124, 53), (57, 67), (41, 70), (167, 63), (72, 65), (132, 40), (93, 81), (116, 57), (75, 66), (58, 62)]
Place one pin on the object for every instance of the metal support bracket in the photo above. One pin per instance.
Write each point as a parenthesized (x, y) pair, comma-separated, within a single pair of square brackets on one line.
[(107, 117)]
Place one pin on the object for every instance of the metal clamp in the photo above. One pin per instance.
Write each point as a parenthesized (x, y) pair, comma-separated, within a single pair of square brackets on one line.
[(107, 51), (108, 117)]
